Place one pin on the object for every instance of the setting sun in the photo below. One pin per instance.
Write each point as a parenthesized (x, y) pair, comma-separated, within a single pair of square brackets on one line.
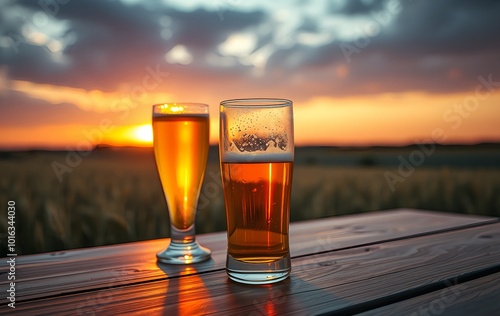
[(143, 133)]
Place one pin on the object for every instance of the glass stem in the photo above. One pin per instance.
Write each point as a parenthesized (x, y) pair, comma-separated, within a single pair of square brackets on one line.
[(183, 236)]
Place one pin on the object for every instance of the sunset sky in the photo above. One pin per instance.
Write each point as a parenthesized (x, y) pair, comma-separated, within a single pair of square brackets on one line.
[(74, 73)]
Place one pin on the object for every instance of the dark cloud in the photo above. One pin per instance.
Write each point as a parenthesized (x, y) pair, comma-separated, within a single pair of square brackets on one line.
[(202, 30), (445, 27), (115, 43), (33, 63), (109, 37), (422, 46), (309, 24), (429, 40), (357, 7)]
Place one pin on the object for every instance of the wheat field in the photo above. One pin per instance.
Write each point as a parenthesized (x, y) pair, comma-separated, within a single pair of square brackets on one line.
[(115, 197)]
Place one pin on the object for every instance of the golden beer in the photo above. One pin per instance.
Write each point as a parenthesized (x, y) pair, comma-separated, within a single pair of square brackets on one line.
[(181, 150), (256, 153), (257, 198)]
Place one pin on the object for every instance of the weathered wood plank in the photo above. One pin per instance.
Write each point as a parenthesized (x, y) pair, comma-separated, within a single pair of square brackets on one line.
[(94, 268), (346, 280), (136, 261), (477, 297)]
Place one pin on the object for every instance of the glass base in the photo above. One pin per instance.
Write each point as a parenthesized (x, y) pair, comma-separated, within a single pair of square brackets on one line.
[(183, 253), (258, 273)]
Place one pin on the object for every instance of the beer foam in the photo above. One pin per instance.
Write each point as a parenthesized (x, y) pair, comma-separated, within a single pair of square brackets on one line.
[(202, 115), (181, 109), (233, 157)]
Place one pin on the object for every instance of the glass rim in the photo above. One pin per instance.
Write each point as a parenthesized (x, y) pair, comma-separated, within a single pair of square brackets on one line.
[(256, 103), (181, 103), (186, 108)]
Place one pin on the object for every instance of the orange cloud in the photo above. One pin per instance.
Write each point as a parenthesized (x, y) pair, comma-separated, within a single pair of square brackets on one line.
[(88, 100)]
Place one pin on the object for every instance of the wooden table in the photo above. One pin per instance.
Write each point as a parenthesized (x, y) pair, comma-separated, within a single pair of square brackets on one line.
[(402, 262)]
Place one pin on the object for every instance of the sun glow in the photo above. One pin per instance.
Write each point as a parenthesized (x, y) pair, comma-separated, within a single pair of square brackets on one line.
[(129, 135), (143, 133)]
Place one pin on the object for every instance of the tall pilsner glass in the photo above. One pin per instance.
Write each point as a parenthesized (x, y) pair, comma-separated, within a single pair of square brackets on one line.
[(181, 132), (256, 152)]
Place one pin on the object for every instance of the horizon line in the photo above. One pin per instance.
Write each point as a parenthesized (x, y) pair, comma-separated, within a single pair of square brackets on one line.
[(354, 146)]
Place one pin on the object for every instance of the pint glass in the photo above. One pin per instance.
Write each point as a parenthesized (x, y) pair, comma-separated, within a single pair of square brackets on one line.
[(256, 154)]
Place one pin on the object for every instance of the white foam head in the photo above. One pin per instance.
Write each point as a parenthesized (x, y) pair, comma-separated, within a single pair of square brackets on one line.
[(233, 157)]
